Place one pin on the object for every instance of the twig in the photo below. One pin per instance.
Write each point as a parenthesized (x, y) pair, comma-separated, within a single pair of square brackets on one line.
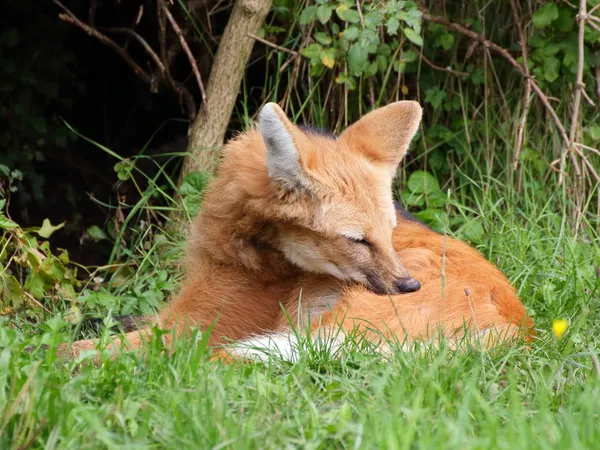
[(579, 86), (501, 51), (360, 16), (527, 99), (591, 149), (32, 298), (142, 42), (593, 10), (592, 22), (588, 164), (189, 54), (275, 46), (369, 79), (443, 69), (587, 98), (69, 17)]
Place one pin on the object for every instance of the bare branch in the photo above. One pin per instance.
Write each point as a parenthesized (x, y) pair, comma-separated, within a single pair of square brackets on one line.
[(512, 61), (188, 52), (142, 42), (443, 69), (272, 45), (69, 17), (527, 98), (579, 86)]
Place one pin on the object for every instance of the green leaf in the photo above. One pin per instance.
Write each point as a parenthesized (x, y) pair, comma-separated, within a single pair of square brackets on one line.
[(392, 26), (435, 218), (436, 199), (11, 293), (421, 182), (35, 285), (342, 78), (551, 68), (412, 199), (124, 169), (357, 59), (312, 51), (328, 57), (537, 41), (435, 96), (472, 231), (47, 228), (191, 189), (592, 132), (322, 38), (96, 233), (413, 36), (324, 13), (347, 15), (308, 15), (446, 41), (351, 33), (194, 182), (545, 15), (409, 56), (565, 20), (5, 222), (369, 39), (413, 19)]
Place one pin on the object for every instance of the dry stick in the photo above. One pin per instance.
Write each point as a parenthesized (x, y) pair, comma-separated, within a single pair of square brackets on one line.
[(369, 79), (587, 98), (32, 298), (167, 57), (69, 17), (188, 52), (142, 42), (591, 149), (272, 45), (443, 69), (521, 132), (581, 18), (489, 44)]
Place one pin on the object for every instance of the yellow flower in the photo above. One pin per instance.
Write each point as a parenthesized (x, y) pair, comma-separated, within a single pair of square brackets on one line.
[(559, 327)]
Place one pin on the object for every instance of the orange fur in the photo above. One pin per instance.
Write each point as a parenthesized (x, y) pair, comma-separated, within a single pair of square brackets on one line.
[(282, 224)]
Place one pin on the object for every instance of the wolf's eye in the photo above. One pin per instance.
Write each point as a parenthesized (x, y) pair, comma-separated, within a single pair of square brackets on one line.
[(361, 241)]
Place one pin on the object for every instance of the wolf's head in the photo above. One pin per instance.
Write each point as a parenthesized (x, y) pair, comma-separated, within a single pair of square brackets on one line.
[(331, 209)]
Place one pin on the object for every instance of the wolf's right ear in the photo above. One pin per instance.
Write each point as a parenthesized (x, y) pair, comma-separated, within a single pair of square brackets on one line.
[(383, 135), (281, 139)]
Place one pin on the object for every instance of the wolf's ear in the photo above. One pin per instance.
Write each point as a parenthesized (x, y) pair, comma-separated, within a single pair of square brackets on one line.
[(281, 138), (383, 135)]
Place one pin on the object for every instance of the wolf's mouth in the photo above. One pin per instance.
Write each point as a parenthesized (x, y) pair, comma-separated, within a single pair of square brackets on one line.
[(400, 286)]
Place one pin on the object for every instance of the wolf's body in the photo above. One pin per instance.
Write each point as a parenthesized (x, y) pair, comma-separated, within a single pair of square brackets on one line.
[(306, 221)]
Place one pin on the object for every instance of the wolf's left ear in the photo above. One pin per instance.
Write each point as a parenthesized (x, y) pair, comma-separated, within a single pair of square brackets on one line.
[(283, 141), (383, 135)]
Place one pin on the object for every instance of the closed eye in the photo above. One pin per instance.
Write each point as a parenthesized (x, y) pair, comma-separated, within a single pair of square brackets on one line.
[(361, 241)]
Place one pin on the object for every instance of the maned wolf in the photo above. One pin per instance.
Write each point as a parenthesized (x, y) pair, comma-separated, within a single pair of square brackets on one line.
[(306, 221)]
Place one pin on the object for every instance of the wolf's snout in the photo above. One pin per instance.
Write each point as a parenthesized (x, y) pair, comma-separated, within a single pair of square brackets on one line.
[(406, 285)]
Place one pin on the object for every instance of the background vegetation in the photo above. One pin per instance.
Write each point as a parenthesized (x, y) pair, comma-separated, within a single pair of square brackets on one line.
[(90, 177)]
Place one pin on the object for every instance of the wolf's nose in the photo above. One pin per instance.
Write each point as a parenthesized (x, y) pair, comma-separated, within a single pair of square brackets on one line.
[(405, 285)]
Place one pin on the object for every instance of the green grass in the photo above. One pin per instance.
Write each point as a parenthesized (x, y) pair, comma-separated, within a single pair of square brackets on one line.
[(544, 397)]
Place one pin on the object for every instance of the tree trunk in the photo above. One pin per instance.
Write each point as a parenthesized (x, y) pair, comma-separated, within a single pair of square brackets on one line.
[(206, 134)]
